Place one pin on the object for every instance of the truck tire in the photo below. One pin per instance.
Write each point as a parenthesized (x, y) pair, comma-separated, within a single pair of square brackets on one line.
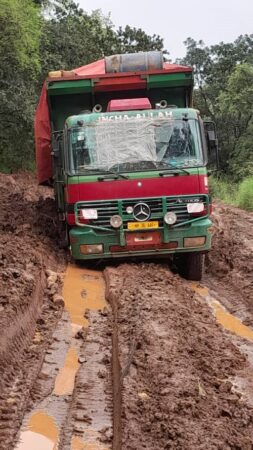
[(190, 265), (63, 240)]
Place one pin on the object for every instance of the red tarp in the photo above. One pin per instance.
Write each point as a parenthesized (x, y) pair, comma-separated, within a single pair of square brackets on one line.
[(42, 119)]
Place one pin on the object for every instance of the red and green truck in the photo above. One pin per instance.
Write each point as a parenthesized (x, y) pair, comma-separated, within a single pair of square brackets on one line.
[(128, 157)]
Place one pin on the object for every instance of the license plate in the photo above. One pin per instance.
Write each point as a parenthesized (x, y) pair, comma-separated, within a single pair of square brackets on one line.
[(142, 225)]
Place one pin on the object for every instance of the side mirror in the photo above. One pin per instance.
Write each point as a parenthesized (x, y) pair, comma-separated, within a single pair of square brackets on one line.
[(212, 145), (56, 147)]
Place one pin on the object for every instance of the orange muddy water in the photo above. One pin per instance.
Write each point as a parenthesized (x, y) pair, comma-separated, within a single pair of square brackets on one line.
[(78, 444), (83, 290), (65, 380), (223, 317), (41, 434)]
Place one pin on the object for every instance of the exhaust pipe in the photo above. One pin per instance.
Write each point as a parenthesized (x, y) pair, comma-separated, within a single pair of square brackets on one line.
[(97, 108), (163, 104)]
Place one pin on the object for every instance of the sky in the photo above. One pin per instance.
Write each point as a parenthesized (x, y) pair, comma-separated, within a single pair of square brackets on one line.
[(212, 21)]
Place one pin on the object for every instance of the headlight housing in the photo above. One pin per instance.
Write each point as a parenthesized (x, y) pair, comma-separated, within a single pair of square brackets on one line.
[(170, 218), (116, 221), (89, 213)]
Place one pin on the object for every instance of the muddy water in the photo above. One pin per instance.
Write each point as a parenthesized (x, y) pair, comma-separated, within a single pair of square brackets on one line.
[(78, 444), (83, 290), (223, 317), (65, 380), (41, 434)]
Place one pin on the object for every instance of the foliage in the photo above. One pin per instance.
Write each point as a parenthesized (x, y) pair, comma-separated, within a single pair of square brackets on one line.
[(19, 38), (245, 194), (72, 38), (236, 194), (37, 36), (235, 120), (213, 65), (41, 35), (223, 189), (224, 75), (19, 68), (131, 40)]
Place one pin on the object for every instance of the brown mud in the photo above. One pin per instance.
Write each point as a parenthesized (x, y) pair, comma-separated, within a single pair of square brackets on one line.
[(229, 265), (167, 365), (30, 277), (177, 366)]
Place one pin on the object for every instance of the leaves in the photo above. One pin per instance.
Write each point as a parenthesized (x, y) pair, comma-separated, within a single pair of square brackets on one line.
[(20, 25), (19, 38), (37, 36), (223, 92)]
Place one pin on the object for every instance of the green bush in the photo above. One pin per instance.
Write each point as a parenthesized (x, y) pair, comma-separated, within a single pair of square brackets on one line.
[(223, 190), (244, 198), (236, 194)]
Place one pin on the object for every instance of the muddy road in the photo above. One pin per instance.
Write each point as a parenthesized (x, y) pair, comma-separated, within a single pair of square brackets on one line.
[(122, 357)]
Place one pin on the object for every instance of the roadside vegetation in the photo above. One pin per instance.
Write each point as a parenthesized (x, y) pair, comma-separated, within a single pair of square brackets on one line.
[(236, 194), (37, 36)]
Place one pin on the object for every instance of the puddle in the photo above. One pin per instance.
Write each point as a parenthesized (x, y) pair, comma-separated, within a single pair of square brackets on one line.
[(65, 380), (83, 289), (78, 444), (231, 322), (223, 317), (41, 433)]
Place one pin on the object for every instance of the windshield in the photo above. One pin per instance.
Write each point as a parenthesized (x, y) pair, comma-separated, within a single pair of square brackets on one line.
[(147, 143)]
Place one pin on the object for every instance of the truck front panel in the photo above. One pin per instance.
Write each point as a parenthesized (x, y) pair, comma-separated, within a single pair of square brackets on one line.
[(90, 238)]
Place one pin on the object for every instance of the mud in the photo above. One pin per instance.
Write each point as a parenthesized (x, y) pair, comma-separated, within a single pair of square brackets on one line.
[(28, 310), (176, 364), (167, 364), (229, 264)]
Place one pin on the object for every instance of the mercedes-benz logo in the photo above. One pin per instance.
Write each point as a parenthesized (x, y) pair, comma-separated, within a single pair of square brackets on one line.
[(141, 212)]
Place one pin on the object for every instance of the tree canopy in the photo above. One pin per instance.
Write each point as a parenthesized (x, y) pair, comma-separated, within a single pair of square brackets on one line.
[(223, 77), (37, 36), (20, 25)]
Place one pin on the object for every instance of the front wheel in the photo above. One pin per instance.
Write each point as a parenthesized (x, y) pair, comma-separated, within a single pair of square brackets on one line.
[(190, 265), (63, 240)]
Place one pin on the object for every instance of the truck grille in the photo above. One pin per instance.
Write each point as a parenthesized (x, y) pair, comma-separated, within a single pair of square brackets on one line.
[(176, 204)]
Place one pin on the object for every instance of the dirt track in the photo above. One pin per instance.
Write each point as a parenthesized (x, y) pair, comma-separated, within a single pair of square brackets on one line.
[(156, 368)]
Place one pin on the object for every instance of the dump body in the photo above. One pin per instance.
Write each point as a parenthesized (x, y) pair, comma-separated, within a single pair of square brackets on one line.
[(70, 93), (129, 160)]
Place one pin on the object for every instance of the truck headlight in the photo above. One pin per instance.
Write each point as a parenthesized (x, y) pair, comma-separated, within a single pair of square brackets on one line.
[(116, 221), (197, 241), (87, 249), (195, 207), (170, 218), (89, 213)]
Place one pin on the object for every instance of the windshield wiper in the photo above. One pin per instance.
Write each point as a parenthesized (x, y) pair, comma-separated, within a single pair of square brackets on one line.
[(170, 167), (109, 172)]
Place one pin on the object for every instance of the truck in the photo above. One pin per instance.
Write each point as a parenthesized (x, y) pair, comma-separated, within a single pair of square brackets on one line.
[(128, 156)]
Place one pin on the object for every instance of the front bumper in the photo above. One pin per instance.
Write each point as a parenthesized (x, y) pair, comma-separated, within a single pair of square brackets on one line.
[(117, 239)]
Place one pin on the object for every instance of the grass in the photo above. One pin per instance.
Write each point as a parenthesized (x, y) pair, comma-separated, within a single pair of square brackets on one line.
[(240, 194)]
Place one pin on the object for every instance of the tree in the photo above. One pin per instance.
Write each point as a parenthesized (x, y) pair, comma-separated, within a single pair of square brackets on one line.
[(213, 65), (235, 118), (73, 38), (37, 36), (131, 40), (19, 67), (222, 73)]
